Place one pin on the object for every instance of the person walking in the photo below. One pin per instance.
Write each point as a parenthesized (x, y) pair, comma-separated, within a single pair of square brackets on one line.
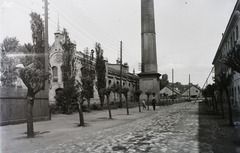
[(153, 103), (144, 104)]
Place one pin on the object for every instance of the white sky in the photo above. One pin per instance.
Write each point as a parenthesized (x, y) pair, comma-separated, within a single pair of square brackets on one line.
[(188, 32)]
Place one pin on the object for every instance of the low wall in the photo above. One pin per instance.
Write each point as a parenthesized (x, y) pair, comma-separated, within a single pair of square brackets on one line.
[(13, 104)]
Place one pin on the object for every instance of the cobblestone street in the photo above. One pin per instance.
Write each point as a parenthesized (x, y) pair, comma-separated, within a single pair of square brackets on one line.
[(178, 128), (172, 129)]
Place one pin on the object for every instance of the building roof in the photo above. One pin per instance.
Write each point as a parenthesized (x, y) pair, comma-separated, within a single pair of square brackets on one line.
[(234, 17), (190, 88), (169, 88)]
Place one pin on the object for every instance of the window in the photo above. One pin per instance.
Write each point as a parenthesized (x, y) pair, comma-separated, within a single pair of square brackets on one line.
[(55, 74)]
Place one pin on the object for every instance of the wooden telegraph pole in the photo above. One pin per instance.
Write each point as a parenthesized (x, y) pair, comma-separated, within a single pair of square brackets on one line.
[(46, 57), (189, 88), (172, 85), (120, 74)]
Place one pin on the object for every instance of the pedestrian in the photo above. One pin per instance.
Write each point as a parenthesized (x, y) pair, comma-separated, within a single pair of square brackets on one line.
[(153, 103), (144, 104)]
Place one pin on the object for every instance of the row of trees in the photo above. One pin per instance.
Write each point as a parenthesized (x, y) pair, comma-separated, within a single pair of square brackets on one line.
[(223, 81), (34, 75)]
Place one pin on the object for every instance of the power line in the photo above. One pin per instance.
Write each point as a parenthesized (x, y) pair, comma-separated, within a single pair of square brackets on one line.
[(186, 50), (91, 27), (72, 23), (94, 22)]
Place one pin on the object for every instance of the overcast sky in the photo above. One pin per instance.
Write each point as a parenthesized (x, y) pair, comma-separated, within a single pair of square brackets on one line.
[(188, 32)]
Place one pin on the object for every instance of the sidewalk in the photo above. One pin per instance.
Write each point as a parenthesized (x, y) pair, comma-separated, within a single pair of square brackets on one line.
[(215, 130), (64, 127)]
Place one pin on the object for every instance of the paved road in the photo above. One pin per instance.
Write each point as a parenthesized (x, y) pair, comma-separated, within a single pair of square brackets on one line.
[(171, 129)]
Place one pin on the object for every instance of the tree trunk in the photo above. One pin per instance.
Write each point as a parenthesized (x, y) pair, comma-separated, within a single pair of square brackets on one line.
[(120, 102), (127, 105), (221, 102), (139, 105), (216, 104), (160, 102), (213, 104), (109, 109), (148, 102), (30, 102), (229, 108), (206, 101), (114, 97), (101, 100), (88, 101), (80, 112)]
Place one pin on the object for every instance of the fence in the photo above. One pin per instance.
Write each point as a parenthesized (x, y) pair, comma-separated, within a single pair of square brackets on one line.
[(13, 104)]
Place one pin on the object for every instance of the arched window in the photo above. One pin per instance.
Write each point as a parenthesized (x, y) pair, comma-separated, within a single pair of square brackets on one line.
[(55, 74), (109, 82)]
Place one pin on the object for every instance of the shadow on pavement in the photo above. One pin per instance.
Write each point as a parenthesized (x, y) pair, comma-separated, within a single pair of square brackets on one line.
[(215, 134)]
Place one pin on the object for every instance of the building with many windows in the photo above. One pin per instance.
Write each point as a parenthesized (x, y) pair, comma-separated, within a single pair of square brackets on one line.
[(129, 80), (230, 39)]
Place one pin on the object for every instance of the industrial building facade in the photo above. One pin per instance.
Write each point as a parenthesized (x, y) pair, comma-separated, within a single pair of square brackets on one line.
[(230, 40), (129, 80)]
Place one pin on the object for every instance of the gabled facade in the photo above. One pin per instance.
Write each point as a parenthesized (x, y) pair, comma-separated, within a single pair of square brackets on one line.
[(55, 59), (229, 40), (169, 91), (129, 80), (193, 92)]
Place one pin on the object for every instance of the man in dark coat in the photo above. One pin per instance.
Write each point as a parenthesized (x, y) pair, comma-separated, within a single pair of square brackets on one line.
[(154, 103)]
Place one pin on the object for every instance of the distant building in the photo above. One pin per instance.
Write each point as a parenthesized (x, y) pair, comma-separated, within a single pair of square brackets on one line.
[(194, 92), (129, 80), (229, 40), (169, 91)]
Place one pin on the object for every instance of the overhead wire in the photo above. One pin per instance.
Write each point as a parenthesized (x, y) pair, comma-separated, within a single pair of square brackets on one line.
[(24, 11), (111, 45), (63, 15), (81, 41), (91, 29), (72, 26), (88, 27), (103, 31), (186, 50)]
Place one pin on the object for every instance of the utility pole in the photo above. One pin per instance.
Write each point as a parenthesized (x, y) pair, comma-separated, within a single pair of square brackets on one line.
[(172, 85), (120, 74), (189, 87), (46, 41), (46, 57)]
